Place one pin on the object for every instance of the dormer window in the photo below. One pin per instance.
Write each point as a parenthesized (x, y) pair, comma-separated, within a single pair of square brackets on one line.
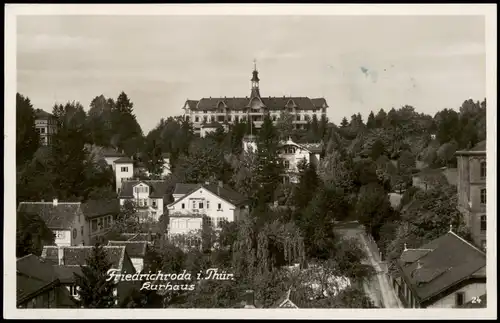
[(141, 189)]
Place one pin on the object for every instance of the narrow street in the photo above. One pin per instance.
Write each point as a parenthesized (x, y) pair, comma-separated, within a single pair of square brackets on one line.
[(378, 288)]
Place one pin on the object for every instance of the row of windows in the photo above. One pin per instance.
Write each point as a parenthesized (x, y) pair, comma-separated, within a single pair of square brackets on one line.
[(201, 205), (145, 202), (245, 110), (102, 223), (214, 222), (124, 169), (141, 189)]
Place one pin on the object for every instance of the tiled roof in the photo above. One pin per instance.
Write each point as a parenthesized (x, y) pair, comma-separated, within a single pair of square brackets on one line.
[(135, 249), (184, 188), (96, 208), (227, 193), (77, 255), (42, 114), (480, 146), (451, 260), (271, 103), (124, 160), (412, 255), (66, 273), (313, 147), (110, 152), (137, 236), (32, 275), (157, 188), (58, 216)]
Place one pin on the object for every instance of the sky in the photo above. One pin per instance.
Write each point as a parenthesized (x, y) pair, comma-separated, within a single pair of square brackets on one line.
[(357, 63)]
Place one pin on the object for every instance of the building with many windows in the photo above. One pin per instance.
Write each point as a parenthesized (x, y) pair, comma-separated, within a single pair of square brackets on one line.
[(46, 126), (471, 165), (254, 107)]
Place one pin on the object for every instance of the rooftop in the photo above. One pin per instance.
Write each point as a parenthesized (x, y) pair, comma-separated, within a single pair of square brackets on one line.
[(78, 255), (135, 249), (478, 149), (270, 103), (157, 188), (440, 264), (124, 160)]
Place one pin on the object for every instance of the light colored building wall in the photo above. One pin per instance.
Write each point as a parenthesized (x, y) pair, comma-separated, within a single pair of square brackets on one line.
[(123, 171), (184, 225), (62, 238), (138, 264), (470, 291)]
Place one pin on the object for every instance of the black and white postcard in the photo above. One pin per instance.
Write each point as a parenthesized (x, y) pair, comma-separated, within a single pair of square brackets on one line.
[(250, 161)]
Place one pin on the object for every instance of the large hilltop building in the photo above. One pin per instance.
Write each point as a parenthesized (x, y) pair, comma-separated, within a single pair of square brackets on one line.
[(227, 110)]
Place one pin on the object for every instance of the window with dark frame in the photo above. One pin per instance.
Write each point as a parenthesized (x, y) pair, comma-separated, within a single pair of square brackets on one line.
[(200, 205), (483, 196), (483, 170), (483, 222), (219, 206), (459, 298), (182, 206)]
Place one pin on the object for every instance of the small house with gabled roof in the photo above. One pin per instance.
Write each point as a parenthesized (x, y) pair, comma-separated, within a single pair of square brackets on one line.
[(199, 205), (444, 273)]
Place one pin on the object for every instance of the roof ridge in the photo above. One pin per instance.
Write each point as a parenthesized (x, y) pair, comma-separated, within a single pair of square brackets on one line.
[(468, 243)]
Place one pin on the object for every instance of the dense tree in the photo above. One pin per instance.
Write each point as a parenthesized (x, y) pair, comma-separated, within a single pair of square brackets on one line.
[(284, 125), (344, 123), (204, 162), (373, 208), (32, 235), (94, 288), (27, 138), (306, 188), (377, 150), (371, 122)]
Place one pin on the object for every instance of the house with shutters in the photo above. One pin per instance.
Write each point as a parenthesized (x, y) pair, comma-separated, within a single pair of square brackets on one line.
[(198, 205), (447, 272), (38, 286), (66, 262), (149, 197), (74, 223)]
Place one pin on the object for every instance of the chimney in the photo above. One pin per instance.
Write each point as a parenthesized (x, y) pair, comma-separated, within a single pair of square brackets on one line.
[(60, 255), (54, 202), (249, 299)]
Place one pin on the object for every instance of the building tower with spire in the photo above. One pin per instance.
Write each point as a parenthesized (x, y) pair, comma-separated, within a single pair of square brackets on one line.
[(255, 81), (226, 109)]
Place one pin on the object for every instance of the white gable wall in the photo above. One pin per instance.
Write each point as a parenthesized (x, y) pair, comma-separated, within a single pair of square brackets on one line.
[(123, 171)]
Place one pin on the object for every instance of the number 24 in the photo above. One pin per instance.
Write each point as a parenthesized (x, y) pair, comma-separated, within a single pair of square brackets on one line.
[(476, 300)]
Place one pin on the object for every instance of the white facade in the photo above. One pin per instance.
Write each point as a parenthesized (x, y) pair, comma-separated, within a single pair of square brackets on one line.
[(62, 238), (186, 213), (147, 206), (123, 171), (46, 128), (291, 153)]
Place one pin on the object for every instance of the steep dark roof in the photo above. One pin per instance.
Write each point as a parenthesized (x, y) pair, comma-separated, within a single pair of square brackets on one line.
[(96, 208), (478, 149), (124, 160), (110, 152), (480, 146), (77, 255), (451, 260), (184, 188), (227, 193), (412, 255), (135, 249), (240, 103), (58, 216), (66, 273), (157, 188), (42, 114), (32, 275)]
